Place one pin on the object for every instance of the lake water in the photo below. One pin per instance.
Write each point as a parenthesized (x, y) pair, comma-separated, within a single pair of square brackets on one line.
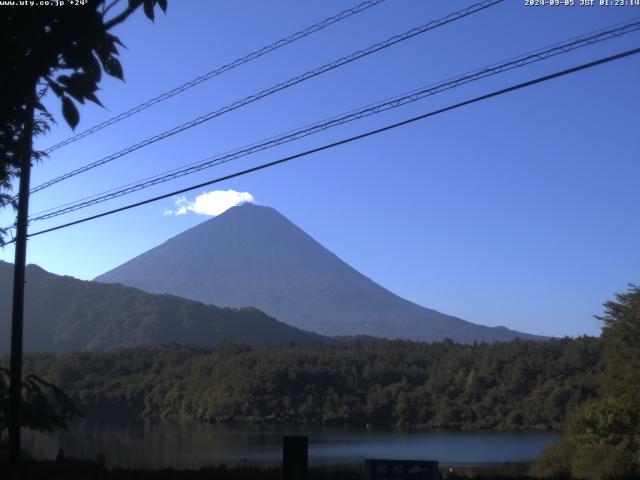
[(194, 445)]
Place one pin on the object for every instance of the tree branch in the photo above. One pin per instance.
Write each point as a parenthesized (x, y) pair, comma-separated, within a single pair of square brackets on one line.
[(106, 7), (118, 19)]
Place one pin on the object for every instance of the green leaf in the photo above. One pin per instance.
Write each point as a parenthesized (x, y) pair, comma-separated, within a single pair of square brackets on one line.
[(105, 46), (163, 5), (73, 57), (70, 112), (148, 9), (64, 80), (94, 99), (115, 40), (112, 67), (57, 89), (92, 67), (78, 85)]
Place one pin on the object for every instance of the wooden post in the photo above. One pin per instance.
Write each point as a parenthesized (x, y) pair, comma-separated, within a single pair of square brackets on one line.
[(294, 457)]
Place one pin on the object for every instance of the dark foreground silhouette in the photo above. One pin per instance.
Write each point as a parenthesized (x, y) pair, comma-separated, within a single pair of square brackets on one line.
[(75, 469)]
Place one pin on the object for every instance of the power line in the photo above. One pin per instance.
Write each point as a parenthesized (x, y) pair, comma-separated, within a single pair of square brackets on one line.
[(410, 97), (220, 70), (354, 138), (276, 88), (495, 69), (589, 38)]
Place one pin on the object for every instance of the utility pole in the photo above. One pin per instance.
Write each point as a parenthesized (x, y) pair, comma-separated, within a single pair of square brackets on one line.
[(17, 320)]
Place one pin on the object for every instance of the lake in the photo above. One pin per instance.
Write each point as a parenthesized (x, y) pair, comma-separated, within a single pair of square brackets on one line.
[(180, 445)]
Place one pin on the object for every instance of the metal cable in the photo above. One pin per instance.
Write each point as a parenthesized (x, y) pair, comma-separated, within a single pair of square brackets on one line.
[(354, 138), (220, 70), (373, 109), (276, 88)]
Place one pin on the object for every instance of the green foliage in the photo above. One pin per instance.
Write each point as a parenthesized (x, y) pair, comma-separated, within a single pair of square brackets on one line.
[(602, 462), (62, 49), (66, 314), (555, 461), (621, 335), (44, 406), (569, 460), (603, 437), (607, 421), (519, 385), (66, 48)]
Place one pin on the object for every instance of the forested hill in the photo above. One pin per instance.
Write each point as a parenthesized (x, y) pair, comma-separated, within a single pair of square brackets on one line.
[(64, 314), (511, 386)]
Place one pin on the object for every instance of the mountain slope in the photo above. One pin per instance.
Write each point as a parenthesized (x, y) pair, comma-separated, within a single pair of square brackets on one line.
[(253, 256), (65, 314)]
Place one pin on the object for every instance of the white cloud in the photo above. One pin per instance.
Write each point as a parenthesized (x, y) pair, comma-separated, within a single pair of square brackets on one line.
[(210, 203), (182, 205)]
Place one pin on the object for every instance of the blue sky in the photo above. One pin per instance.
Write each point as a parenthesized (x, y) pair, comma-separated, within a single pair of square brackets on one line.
[(520, 211)]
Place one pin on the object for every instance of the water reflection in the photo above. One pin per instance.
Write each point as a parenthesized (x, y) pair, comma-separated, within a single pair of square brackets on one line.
[(181, 445)]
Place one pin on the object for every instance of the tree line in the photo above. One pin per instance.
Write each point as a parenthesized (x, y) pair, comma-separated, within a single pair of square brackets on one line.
[(518, 385), (602, 437)]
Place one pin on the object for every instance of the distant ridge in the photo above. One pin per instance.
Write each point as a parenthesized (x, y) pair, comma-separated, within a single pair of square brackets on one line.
[(253, 256), (65, 314)]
